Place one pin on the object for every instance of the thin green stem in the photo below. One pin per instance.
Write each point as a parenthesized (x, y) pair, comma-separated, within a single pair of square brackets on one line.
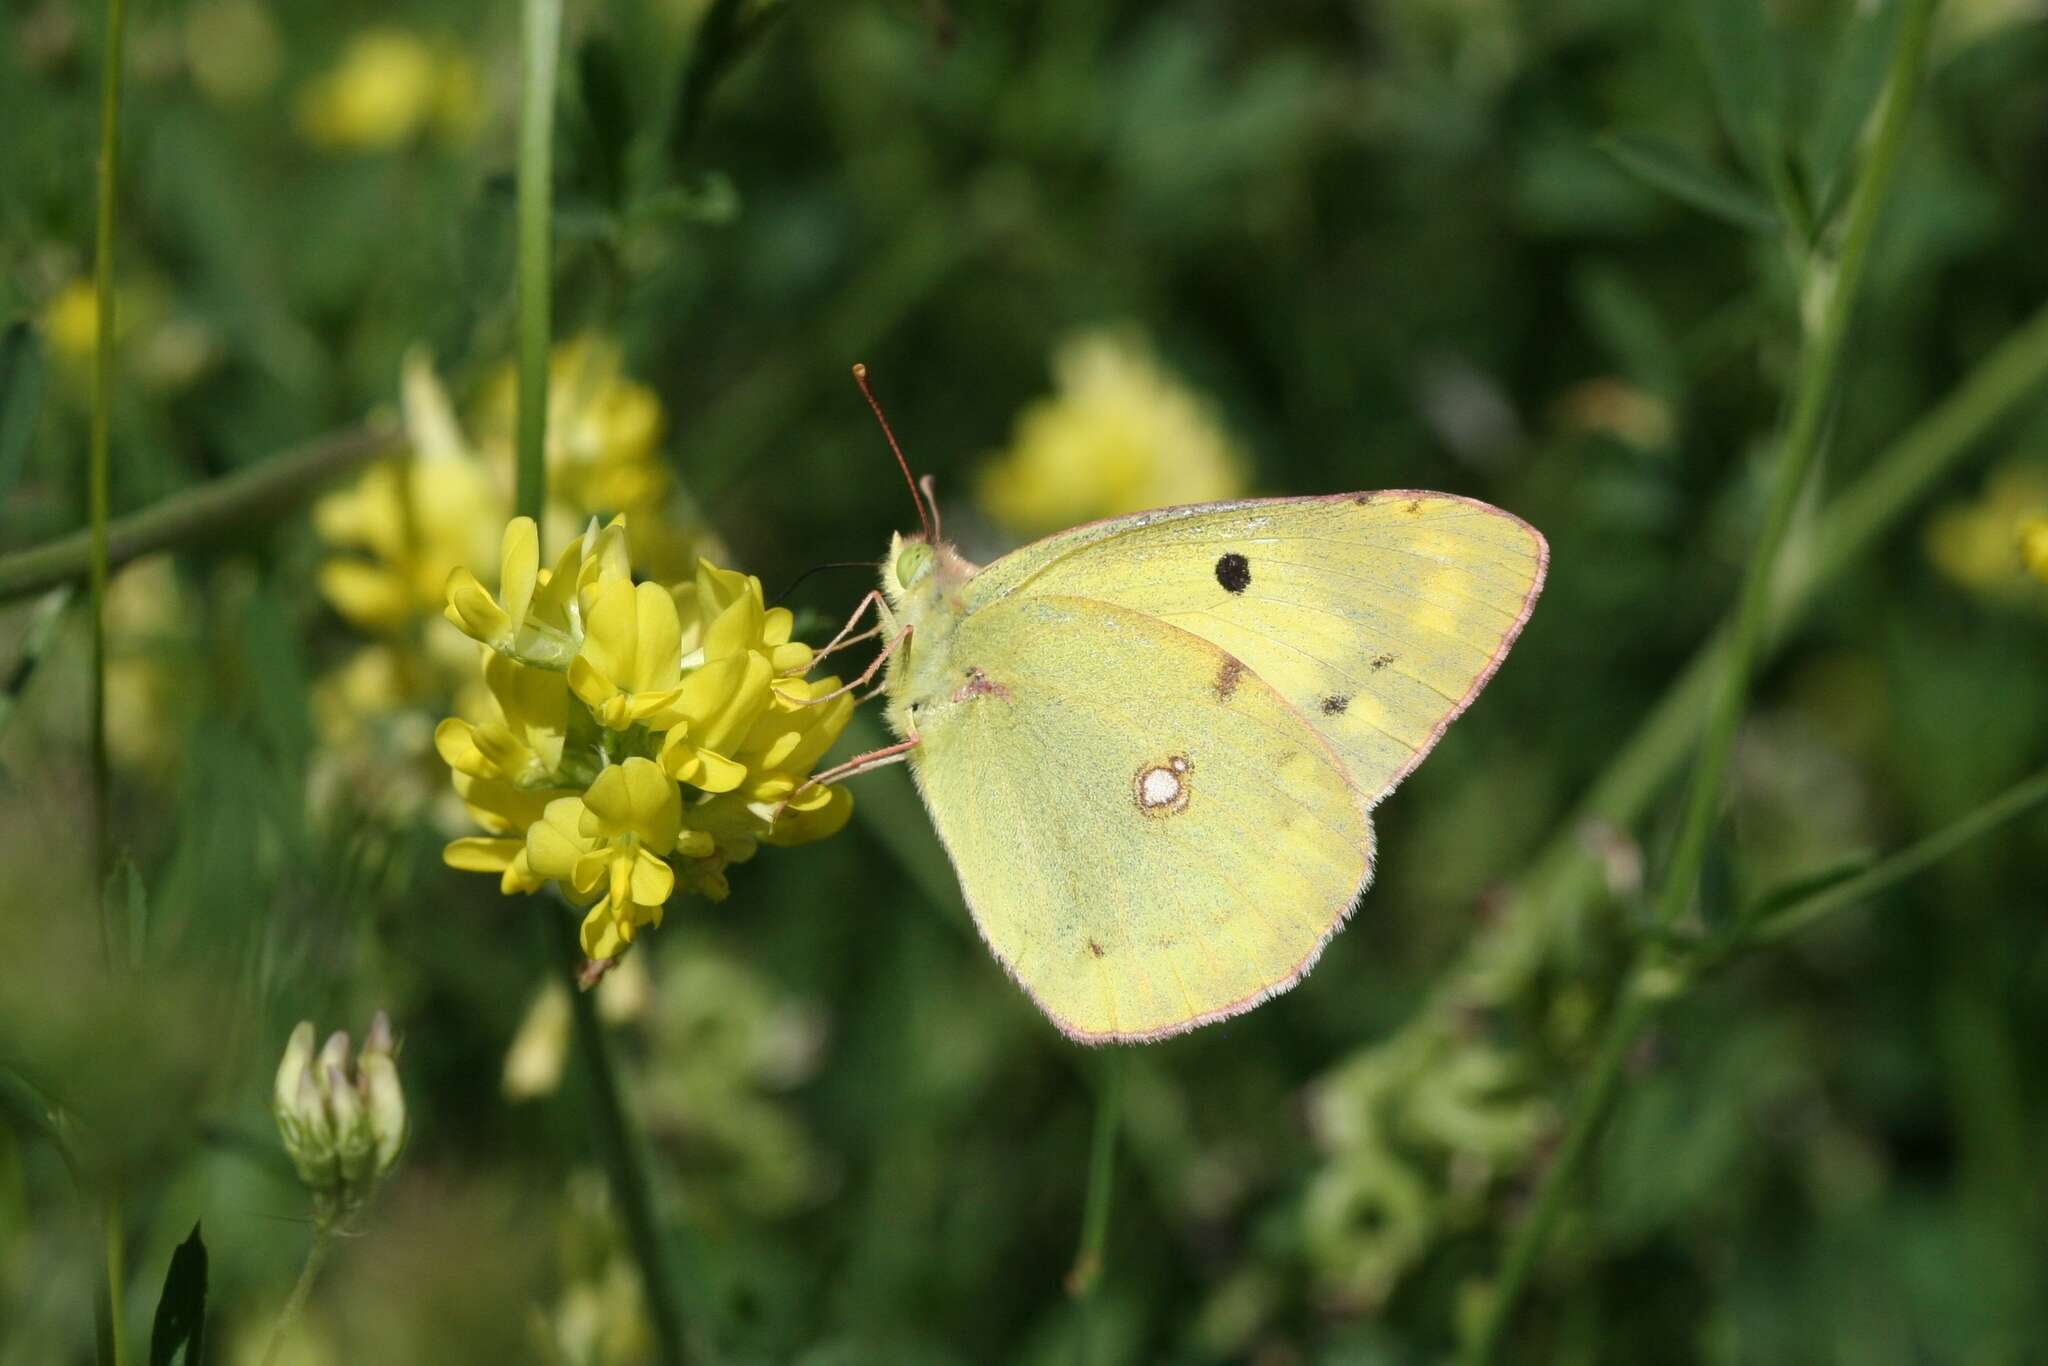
[(542, 34), (99, 500), (625, 1162), (209, 510), (1109, 1107), (1616, 1043), (1800, 449), (111, 1342), (1798, 452), (2009, 805), (302, 1289), (99, 482)]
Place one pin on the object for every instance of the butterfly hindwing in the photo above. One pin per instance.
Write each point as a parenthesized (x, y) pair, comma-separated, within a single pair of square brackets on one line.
[(1149, 837), (1376, 616)]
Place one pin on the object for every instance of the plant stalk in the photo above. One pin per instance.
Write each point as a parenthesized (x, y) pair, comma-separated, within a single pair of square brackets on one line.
[(1109, 1105), (99, 481), (625, 1162), (1799, 450), (197, 514), (112, 1291), (302, 1289), (542, 40)]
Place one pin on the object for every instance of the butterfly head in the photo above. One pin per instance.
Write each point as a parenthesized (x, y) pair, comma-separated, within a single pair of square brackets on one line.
[(922, 571)]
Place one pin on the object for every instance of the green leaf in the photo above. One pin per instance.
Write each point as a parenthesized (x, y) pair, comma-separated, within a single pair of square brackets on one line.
[(728, 30), (1666, 166), (21, 398), (1860, 56), (1741, 53), (1795, 890), (177, 1338)]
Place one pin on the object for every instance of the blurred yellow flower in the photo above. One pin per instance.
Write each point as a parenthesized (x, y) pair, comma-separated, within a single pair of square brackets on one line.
[(1121, 433), (1614, 407), (539, 1051), (71, 322), (604, 430), (151, 640), (413, 519), (232, 49), (2034, 546), (158, 348), (1994, 546), (390, 87)]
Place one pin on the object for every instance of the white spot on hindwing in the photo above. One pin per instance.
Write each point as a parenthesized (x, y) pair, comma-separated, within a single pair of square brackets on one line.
[(1164, 789)]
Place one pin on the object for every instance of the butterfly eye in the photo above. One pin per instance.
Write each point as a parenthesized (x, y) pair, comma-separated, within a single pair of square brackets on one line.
[(913, 564)]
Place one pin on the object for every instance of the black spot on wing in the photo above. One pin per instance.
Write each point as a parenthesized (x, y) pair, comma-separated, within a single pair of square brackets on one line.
[(1234, 572), (1379, 662), (1334, 705)]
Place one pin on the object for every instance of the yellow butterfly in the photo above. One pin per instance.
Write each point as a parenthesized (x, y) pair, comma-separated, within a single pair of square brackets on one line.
[(1152, 745)]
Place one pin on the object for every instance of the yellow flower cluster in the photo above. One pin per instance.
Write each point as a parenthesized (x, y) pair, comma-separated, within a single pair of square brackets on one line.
[(1121, 434), (633, 738)]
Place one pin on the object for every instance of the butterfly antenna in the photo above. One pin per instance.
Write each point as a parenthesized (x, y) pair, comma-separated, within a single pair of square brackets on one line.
[(931, 500), (797, 582), (860, 377)]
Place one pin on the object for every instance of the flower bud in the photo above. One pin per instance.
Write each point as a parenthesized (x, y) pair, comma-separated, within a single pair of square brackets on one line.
[(343, 1128), (386, 1103), (298, 1052)]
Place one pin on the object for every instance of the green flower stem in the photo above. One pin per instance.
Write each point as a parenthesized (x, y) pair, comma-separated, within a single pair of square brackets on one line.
[(1799, 450), (295, 1304), (199, 513), (99, 497), (542, 36), (99, 457), (1085, 1278), (625, 1162), (1109, 1105), (111, 1343)]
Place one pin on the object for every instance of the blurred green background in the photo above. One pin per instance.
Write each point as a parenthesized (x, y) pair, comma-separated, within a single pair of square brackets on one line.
[(1096, 256)]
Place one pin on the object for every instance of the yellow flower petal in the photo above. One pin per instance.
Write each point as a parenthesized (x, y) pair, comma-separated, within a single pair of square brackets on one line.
[(477, 854)]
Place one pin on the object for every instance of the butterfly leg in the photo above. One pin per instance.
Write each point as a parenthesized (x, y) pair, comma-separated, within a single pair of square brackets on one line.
[(854, 767), (867, 674), (841, 641)]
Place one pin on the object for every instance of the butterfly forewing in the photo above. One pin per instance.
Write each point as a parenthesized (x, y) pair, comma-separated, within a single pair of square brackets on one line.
[(1376, 616)]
